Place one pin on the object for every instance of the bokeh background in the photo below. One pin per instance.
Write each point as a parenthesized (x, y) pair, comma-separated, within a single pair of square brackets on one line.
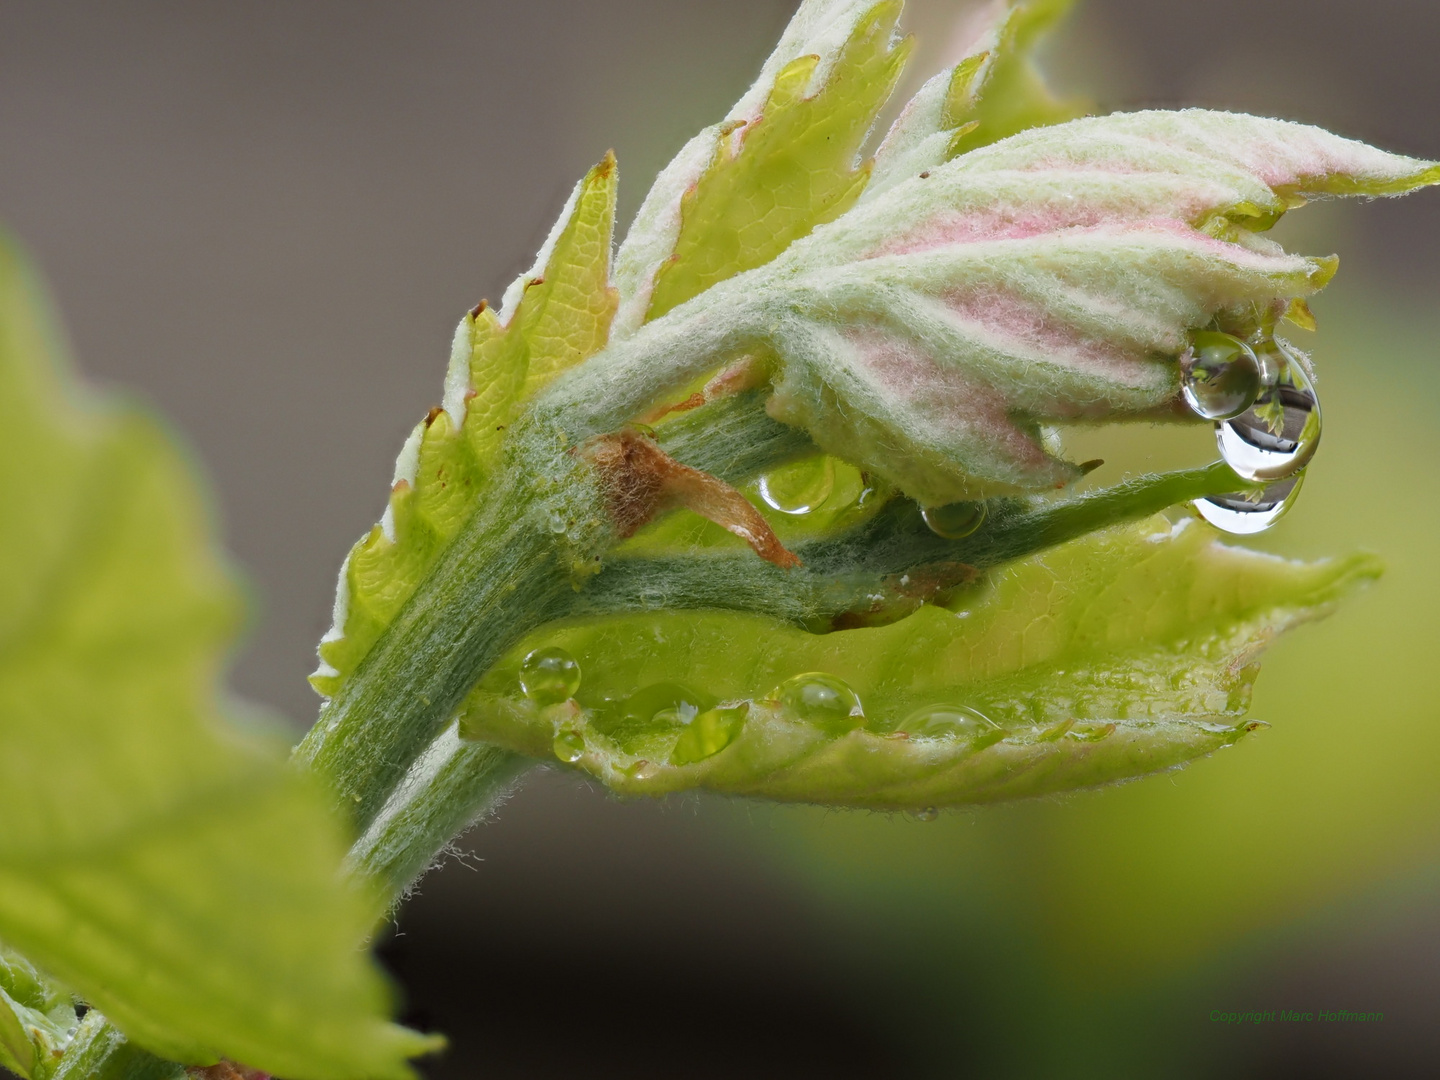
[(266, 217)]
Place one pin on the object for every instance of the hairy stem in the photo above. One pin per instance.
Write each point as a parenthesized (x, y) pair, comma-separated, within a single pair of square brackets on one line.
[(512, 565), (450, 787), (861, 568), (504, 574)]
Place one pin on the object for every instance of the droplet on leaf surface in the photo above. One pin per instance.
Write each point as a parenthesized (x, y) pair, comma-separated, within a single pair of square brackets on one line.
[(822, 700), (799, 487), (1221, 378), (956, 520), (948, 722), (1277, 436), (569, 746), (549, 676), (654, 710), (709, 733)]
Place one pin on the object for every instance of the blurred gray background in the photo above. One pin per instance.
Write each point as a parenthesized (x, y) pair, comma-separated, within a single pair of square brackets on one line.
[(265, 218)]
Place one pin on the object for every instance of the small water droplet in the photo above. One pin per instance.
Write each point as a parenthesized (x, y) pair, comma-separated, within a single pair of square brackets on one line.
[(642, 770), (556, 523), (955, 521), (1247, 513), (569, 746), (1059, 731), (1221, 376), (928, 813), (1092, 732), (549, 676), (709, 733), (1277, 436), (799, 487), (822, 700), (948, 722)]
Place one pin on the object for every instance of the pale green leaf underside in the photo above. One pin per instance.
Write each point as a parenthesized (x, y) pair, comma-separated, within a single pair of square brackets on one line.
[(1154, 629), (184, 882)]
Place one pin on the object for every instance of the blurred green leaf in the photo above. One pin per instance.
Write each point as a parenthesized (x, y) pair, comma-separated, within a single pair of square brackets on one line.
[(182, 880)]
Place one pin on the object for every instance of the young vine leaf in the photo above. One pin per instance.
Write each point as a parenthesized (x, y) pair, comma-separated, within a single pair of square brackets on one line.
[(180, 879), (923, 323)]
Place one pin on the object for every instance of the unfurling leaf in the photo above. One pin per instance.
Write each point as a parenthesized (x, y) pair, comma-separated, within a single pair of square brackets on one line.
[(922, 324), (1116, 655), (553, 317), (177, 876), (1055, 276)]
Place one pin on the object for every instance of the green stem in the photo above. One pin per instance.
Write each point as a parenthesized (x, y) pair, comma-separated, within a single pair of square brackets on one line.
[(859, 570), (453, 783), (511, 567), (450, 787), (504, 574)]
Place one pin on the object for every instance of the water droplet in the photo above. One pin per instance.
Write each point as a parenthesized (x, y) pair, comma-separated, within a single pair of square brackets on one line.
[(955, 521), (1277, 436), (642, 770), (549, 676), (948, 722), (928, 813), (569, 746), (556, 523), (1246, 513), (799, 487), (1092, 732), (822, 700), (1059, 731), (1220, 377), (709, 733), (657, 709)]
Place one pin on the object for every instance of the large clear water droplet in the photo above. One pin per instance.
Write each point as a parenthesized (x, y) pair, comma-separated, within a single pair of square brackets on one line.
[(569, 746), (709, 733), (549, 676), (1245, 514), (949, 722), (954, 521), (822, 700), (799, 487), (1277, 436), (1220, 377), (654, 710)]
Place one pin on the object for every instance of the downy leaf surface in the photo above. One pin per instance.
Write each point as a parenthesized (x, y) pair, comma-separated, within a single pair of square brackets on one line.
[(176, 875), (930, 334)]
